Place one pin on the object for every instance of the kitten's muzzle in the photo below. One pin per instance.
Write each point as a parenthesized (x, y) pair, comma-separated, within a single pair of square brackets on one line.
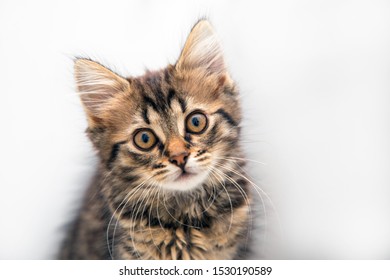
[(178, 152), (179, 159)]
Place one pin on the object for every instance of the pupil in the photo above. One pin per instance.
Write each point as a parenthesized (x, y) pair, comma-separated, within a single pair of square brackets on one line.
[(195, 121), (145, 138)]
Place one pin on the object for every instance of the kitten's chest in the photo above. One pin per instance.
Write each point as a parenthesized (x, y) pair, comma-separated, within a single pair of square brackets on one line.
[(219, 238)]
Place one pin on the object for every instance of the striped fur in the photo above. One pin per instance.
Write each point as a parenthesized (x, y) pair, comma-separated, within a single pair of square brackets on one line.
[(141, 205)]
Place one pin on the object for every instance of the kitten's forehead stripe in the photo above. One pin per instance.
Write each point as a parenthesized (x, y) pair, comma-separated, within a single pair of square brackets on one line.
[(171, 95), (158, 92), (145, 115), (150, 102), (183, 104)]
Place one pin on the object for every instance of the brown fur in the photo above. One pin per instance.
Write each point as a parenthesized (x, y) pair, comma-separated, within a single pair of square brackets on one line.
[(130, 212)]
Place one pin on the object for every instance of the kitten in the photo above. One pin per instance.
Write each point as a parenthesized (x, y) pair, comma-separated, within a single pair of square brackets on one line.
[(170, 183)]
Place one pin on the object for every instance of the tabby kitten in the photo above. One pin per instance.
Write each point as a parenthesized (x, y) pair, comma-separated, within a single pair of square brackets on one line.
[(170, 183)]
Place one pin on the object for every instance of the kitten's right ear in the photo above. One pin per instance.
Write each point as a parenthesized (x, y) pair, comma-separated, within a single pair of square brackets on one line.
[(97, 85), (202, 50)]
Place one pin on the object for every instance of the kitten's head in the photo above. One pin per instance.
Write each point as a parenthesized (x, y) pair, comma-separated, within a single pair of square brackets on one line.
[(170, 128)]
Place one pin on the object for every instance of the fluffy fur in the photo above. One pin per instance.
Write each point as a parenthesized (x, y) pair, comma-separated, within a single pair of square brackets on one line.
[(144, 204)]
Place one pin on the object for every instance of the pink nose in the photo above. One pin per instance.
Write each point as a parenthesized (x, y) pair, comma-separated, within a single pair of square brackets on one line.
[(179, 159)]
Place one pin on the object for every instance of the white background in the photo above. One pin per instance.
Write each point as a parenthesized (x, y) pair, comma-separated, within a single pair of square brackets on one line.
[(315, 85)]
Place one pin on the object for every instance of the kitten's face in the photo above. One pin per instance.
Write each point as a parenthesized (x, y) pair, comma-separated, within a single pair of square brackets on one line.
[(170, 128)]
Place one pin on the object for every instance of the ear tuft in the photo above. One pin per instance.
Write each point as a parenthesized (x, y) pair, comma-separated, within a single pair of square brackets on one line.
[(96, 85), (202, 50)]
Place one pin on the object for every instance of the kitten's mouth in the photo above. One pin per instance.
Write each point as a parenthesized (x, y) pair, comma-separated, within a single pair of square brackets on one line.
[(185, 180), (184, 176)]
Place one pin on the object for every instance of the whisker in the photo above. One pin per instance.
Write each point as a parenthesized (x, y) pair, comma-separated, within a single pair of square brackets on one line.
[(213, 194), (246, 198), (227, 193), (134, 215), (127, 197), (149, 196), (169, 213), (150, 211), (258, 188), (112, 217), (243, 159), (158, 206), (120, 214)]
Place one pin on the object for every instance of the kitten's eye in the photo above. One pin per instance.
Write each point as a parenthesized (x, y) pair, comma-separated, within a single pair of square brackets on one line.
[(196, 123), (145, 139)]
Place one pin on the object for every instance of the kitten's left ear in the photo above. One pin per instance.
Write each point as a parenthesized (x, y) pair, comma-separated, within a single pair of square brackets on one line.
[(202, 50), (97, 86)]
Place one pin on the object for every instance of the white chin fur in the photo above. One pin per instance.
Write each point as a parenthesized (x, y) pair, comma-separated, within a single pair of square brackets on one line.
[(183, 184)]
